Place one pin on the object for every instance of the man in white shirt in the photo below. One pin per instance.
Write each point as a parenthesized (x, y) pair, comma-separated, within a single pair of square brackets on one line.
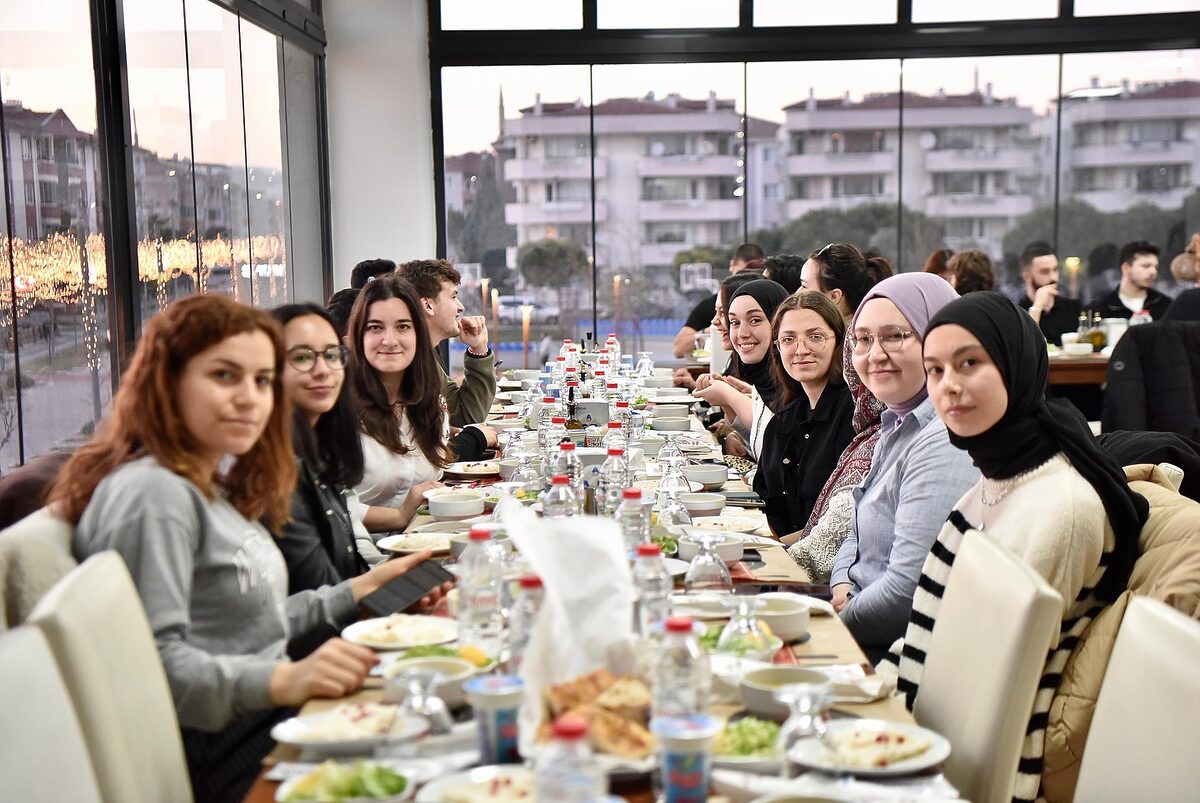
[(1135, 295)]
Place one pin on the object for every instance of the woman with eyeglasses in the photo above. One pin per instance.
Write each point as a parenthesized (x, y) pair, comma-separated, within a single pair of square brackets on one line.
[(397, 392), (804, 439), (840, 272), (916, 475)]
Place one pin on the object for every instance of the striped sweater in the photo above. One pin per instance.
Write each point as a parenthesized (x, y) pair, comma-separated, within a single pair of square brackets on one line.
[(1053, 518)]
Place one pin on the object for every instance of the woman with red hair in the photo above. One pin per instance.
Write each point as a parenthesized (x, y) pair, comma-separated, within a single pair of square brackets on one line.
[(194, 456)]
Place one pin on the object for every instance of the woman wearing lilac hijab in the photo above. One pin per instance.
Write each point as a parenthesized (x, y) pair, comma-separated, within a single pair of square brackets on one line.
[(916, 474)]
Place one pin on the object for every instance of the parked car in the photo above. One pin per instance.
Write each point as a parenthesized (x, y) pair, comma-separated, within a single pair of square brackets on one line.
[(543, 312)]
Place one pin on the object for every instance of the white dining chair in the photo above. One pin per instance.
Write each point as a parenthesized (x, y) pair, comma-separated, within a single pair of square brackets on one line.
[(1142, 743), (997, 622), (44, 756), (95, 624)]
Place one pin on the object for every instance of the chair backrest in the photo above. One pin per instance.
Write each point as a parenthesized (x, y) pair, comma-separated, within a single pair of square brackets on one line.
[(997, 622), (1143, 738), (101, 639), (44, 756), (35, 553)]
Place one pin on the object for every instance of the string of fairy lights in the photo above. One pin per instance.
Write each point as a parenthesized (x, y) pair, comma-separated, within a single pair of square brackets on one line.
[(59, 268)]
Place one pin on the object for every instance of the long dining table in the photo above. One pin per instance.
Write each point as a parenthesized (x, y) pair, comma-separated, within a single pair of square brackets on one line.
[(829, 643)]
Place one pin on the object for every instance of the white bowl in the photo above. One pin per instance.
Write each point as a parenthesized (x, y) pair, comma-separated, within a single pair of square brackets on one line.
[(729, 548), (669, 411), (658, 382), (456, 670), (710, 475), (456, 505), (758, 688), (672, 391), (1077, 349), (671, 424), (785, 613), (703, 504), (505, 424), (651, 446), (509, 465)]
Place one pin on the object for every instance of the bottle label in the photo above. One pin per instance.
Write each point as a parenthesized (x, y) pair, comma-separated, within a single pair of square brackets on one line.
[(685, 777)]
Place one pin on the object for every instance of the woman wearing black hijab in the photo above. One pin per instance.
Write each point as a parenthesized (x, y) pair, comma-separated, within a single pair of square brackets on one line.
[(749, 314), (1048, 492)]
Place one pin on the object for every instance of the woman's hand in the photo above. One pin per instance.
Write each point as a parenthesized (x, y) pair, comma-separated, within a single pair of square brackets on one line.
[(682, 378), (704, 380), (335, 669), (734, 446), (717, 393), (489, 433), (841, 596), (416, 498)]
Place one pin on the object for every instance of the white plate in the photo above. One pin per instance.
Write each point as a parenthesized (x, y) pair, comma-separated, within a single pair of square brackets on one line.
[(432, 791), (508, 384), (813, 753), (478, 468), (408, 543), (730, 524), (676, 567), (502, 398), (287, 786), (429, 630), (757, 764), (295, 731)]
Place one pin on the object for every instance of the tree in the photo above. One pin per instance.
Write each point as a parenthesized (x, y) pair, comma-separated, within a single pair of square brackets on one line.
[(556, 264), (714, 255), (482, 227), (870, 225)]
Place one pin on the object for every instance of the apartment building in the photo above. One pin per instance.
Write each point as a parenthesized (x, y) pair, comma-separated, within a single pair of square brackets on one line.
[(970, 160), (670, 173), (52, 172), (1126, 145)]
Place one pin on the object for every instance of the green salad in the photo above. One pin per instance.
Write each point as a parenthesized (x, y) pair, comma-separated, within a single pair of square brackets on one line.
[(432, 651), (738, 645), (332, 782), (668, 543), (748, 736)]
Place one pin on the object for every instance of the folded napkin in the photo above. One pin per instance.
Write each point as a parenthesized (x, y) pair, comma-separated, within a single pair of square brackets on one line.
[(743, 786)]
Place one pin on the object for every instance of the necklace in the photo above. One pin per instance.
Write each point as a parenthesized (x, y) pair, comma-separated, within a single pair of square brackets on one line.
[(1003, 488)]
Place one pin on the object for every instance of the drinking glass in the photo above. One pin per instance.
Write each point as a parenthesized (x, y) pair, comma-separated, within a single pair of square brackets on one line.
[(508, 503), (708, 573), (742, 635), (809, 705), (645, 365), (670, 454), (672, 515), (420, 697)]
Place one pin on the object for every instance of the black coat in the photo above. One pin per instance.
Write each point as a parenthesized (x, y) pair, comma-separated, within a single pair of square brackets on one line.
[(1064, 317), (1156, 304), (1154, 380), (801, 447), (318, 543)]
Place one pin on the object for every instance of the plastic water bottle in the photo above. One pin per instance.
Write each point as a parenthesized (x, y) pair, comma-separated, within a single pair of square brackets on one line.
[(555, 433), (612, 392), (567, 462), (614, 476), (565, 348), (481, 575), (614, 437), (632, 518), (653, 584), (619, 412), (566, 771), (520, 621), (559, 501), (681, 680)]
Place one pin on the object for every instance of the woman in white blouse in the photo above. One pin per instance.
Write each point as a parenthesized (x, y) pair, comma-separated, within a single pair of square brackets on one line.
[(396, 387)]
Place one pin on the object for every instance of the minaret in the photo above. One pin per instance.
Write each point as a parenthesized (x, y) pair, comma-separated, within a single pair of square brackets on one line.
[(500, 128)]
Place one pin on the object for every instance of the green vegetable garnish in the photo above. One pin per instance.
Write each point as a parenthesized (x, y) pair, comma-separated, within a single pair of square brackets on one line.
[(748, 737), (332, 782), (668, 543), (431, 651)]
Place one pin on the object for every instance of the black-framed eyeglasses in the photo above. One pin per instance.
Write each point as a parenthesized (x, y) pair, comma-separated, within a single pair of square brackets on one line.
[(304, 359), (890, 340)]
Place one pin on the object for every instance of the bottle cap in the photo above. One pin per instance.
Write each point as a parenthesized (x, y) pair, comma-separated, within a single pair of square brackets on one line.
[(611, 385), (679, 624), (560, 479), (558, 419), (631, 493), (560, 357), (547, 400), (480, 533), (616, 451), (567, 446), (614, 424), (648, 550), (570, 727), (622, 404), (530, 581)]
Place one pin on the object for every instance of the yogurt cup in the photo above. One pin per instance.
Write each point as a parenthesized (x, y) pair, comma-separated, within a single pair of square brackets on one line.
[(684, 756), (496, 700)]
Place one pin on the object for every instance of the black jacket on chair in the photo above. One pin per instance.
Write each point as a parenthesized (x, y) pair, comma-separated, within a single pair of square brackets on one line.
[(1154, 380)]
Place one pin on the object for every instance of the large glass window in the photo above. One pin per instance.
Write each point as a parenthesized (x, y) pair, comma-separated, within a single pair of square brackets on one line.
[(509, 15), (666, 14), (55, 378)]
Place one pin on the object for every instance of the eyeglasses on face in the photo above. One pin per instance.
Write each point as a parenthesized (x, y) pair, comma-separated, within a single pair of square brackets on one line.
[(303, 359), (890, 340), (816, 341)]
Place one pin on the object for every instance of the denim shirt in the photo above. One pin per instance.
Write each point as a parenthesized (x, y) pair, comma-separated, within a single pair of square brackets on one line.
[(916, 477)]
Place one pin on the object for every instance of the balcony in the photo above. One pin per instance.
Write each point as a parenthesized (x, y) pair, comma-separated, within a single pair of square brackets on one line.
[(661, 253), (696, 209), (969, 205), (978, 160), (554, 168), (1131, 154), (1120, 200), (688, 166), (841, 164), (553, 212), (798, 207)]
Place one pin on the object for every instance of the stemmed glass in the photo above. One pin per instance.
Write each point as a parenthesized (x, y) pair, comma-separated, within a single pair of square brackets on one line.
[(742, 633), (809, 703), (419, 687), (645, 365), (507, 503), (670, 454), (708, 573)]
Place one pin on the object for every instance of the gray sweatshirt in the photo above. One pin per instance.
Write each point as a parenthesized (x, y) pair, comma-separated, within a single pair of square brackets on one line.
[(213, 584)]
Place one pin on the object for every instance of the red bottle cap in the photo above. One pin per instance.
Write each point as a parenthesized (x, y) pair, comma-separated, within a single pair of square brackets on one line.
[(679, 624), (557, 419), (648, 550), (616, 451), (560, 479), (567, 446), (480, 533), (530, 581), (631, 493), (570, 727)]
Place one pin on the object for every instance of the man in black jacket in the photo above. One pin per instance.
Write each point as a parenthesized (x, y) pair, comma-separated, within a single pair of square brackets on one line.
[(1053, 313), (1135, 295)]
